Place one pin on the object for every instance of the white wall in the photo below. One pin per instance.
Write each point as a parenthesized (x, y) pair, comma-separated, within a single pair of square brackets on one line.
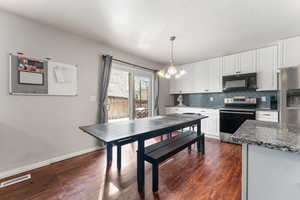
[(38, 128), (164, 97)]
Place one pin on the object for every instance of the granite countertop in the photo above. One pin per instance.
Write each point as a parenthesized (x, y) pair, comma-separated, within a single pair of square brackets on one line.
[(269, 135)]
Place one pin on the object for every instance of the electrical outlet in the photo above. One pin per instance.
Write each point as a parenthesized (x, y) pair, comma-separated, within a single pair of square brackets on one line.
[(211, 98), (263, 99)]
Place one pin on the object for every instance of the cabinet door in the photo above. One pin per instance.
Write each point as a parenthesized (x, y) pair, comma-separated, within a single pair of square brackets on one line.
[(178, 85), (267, 68), (246, 62), (215, 75), (291, 49), (187, 80), (201, 77), (212, 124), (205, 126), (229, 65), (174, 86)]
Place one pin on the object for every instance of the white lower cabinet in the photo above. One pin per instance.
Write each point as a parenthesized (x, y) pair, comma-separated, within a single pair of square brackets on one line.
[(209, 126), (267, 116)]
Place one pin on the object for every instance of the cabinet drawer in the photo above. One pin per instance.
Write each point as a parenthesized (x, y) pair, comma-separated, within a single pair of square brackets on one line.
[(267, 116)]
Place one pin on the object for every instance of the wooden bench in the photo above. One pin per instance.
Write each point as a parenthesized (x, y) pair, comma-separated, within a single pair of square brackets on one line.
[(119, 145), (161, 151)]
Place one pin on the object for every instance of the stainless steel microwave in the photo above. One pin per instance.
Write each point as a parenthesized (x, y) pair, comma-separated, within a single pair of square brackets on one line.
[(241, 82)]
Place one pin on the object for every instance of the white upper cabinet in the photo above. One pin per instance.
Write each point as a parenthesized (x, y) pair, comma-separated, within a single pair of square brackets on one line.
[(267, 62), (183, 84), (215, 75), (201, 70), (208, 76), (201, 77), (247, 62), (241, 63), (187, 83), (290, 52), (175, 86), (230, 64)]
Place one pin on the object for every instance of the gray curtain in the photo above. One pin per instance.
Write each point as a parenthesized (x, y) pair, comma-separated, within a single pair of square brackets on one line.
[(156, 94), (103, 87)]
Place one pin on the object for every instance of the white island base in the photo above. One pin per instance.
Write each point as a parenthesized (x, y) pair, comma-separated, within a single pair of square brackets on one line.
[(270, 174)]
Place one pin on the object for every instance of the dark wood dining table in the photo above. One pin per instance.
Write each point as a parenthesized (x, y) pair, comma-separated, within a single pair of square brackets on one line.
[(140, 130)]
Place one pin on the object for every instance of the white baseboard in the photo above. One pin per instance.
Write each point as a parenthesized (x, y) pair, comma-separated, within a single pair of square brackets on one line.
[(46, 162), (212, 136)]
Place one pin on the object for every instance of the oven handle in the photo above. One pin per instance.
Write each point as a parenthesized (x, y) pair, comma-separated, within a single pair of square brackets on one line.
[(243, 113)]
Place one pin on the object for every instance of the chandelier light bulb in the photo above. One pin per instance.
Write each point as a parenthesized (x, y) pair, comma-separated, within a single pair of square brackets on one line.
[(177, 76), (172, 70), (161, 73), (182, 72), (167, 76)]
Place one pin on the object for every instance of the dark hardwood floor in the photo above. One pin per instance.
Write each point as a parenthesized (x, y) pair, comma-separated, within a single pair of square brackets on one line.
[(187, 176)]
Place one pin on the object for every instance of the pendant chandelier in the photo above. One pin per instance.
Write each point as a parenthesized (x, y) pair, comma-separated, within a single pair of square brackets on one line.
[(171, 71)]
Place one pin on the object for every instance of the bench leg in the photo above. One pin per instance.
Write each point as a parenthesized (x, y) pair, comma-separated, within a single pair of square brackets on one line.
[(161, 137), (155, 177), (119, 156), (203, 143), (190, 147), (108, 153)]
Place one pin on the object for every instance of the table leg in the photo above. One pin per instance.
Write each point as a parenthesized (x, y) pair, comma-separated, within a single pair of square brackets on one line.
[(119, 156), (141, 165), (109, 153), (199, 134), (203, 143)]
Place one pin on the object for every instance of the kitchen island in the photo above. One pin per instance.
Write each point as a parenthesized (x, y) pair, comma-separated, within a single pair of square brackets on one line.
[(271, 160)]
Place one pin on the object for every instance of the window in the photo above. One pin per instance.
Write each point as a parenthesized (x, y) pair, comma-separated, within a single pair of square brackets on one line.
[(129, 93)]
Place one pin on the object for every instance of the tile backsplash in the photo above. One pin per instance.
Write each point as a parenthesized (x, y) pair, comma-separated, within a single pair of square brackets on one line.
[(217, 99)]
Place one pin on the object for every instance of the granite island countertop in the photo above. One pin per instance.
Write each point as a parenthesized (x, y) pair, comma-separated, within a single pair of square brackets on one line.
[(269, 135)]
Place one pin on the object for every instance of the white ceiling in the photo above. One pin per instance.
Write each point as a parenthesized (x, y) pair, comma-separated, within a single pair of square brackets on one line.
[(204, 28)]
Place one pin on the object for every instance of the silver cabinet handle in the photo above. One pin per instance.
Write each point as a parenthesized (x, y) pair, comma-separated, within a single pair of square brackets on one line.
[(266, 114)]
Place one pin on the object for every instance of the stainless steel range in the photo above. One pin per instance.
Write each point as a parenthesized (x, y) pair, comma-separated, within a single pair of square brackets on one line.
[(237, 110)]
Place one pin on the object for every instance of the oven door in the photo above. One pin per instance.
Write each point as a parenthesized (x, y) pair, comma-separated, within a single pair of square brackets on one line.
[(231, 120)]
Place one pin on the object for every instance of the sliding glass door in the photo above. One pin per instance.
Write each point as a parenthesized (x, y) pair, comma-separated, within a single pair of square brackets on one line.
[(118, 95), (129, 93), (143, 101)]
